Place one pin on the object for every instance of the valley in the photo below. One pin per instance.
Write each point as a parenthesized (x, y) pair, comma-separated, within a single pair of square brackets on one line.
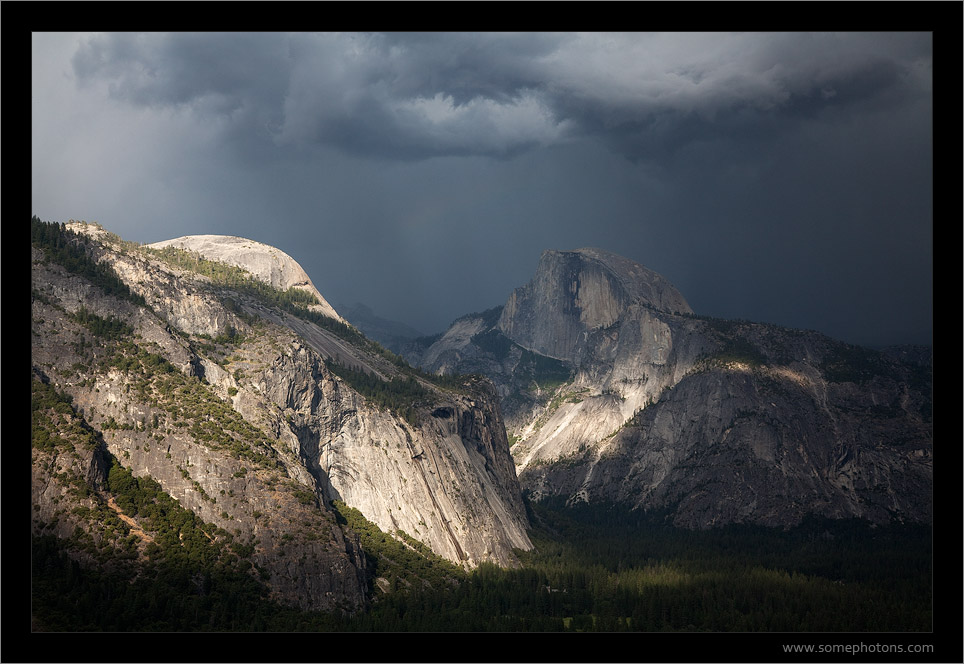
[(592, 570), (214, 448)]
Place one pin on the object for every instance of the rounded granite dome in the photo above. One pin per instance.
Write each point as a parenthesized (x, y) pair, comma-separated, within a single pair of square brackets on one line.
[(264, 262)]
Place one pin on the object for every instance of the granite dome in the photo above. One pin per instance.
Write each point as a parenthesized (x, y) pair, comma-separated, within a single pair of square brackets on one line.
[(265, 262)]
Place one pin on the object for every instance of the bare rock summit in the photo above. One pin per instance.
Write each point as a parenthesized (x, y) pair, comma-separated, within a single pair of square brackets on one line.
[(575, 293), (263, 261)]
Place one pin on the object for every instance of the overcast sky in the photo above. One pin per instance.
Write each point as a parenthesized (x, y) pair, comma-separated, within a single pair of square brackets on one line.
[(784, 178)]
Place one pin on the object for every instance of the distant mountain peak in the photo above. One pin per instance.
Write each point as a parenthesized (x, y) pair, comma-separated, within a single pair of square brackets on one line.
[(390, 333), (641, 283)]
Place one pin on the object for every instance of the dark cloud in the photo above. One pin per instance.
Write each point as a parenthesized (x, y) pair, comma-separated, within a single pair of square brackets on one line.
[(217, 73), (782, 177), (365, 94), (416, 96)]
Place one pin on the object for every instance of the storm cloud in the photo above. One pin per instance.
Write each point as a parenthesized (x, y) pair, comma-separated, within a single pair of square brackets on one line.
[(782, 177), (416, 96)]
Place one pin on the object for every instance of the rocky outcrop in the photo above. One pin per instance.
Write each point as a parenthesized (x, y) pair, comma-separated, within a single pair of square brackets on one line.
[(230, 406), (713, 421)]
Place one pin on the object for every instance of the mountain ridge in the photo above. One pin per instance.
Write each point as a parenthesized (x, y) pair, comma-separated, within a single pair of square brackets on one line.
[(616, 429), (257, 415), (390, 333)]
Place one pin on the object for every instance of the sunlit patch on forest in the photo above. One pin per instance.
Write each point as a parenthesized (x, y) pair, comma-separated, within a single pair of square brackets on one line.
[(594, 568)]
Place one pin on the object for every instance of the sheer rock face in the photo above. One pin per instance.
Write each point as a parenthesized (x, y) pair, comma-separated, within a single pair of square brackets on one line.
[(576, 293), (714, 421), (447, 480)]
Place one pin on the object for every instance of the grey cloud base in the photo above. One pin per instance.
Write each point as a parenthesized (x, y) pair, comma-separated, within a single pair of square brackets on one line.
[(781, 177)]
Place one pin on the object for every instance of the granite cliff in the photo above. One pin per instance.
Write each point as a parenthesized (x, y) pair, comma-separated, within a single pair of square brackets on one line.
[(212, 366)]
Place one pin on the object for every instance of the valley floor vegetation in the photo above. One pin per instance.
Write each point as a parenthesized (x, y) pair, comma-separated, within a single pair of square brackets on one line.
[(593, 569)]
